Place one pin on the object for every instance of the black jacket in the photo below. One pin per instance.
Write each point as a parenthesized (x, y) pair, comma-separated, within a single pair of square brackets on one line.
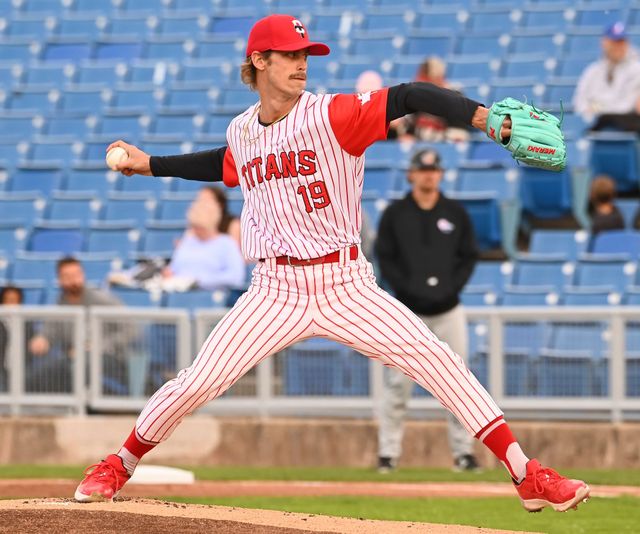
[(426, 256)]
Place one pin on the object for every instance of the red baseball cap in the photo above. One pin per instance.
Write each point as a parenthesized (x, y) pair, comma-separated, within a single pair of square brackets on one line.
[(282, 33)]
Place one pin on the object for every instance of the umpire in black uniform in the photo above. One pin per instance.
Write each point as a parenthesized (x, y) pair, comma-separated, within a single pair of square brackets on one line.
[(426, 251)]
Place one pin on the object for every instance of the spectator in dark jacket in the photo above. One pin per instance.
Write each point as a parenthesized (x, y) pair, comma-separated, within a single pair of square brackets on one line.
[(9, 296)]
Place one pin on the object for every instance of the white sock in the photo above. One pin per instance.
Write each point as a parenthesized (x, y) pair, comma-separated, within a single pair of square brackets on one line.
[(128, 460), (517, 462)]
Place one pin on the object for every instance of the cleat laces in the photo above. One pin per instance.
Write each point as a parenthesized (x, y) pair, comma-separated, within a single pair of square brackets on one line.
[(545, 478), (103, 472)]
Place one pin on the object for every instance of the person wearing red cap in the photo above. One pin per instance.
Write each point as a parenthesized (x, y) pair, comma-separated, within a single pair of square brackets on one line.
[(299, 160)]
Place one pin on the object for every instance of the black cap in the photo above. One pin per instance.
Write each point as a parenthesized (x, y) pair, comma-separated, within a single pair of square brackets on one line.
[(425, 160)]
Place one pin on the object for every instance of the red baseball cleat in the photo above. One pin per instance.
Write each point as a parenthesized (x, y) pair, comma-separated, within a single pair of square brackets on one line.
[(544, 487), (102, 481)]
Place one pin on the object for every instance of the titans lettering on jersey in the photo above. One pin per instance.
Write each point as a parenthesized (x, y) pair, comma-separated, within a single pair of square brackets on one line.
[(283, 165), (301, 177)]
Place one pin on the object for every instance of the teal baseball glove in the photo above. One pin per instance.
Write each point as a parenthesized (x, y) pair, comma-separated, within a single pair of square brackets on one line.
[(536, 138)]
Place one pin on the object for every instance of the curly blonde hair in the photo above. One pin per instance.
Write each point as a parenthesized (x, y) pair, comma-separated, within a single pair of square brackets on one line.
[(249, 73)]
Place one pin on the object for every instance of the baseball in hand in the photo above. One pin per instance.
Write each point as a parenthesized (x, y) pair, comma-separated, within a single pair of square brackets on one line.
[(116, 155)]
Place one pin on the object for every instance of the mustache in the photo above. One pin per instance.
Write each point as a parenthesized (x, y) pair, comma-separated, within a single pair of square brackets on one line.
[(298, 76)]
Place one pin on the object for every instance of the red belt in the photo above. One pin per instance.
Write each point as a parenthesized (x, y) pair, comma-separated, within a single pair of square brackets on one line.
[(332, 257)]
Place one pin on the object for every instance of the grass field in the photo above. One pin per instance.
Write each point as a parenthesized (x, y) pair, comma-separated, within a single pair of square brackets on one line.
[(615, 515)]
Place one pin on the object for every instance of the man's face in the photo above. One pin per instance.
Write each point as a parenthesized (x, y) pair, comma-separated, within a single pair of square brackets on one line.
[(426, 180), (286, 71), (71, 278), (615, 51)]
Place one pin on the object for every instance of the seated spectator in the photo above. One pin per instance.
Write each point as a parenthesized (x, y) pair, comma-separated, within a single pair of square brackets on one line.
[(426, 127), (9, 296), (605, 215), (205, 256), (52, 350), (609, 89), (228, 223)]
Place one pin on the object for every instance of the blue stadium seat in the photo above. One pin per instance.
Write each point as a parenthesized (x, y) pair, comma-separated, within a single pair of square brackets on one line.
[(598, 16), (58, 151), (228, 48), (322, 367), (487, 43), (485, 150), (547, 17), (478, 296), (542, 42), (164, 145), (136, 297), (116, 238), (171, 122), (122, 124), (50, 73), (239, 25), (67, 124), (437, 18), (174, 208), (388, 153), (72, 207), (63, 237), (529, 296), (197, 299), (440, 44), (16, 49), (21, 208), (378, 180), (135, 97), (77, 26), (488, 179), (585, 336), (615, 271), (135, 208), (565, 374), (160, 238), (490, 18), (35, 267), (373, 45), (165, 48), (85, 100), (559, 90), (567, 242), (10, 73), (484, 211), (629, 207), (192, 97), (72, 49), (525, 67), (42, 7), (545, 195), (91, 178), (572, 67), (38, 99), (494, 274), (217, 123), (97, 266), (124, 49), (100, 72), (33, 291), (204, 70), (148, 71), (616, 155), (36, 178), (580, 42), (184, 24), (520, 88), (12, 237), (617, 242), (542, 270), (236, 100), (589, 296)]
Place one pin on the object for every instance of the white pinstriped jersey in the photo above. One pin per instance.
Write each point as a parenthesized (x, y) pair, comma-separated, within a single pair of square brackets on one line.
[(301, 177)]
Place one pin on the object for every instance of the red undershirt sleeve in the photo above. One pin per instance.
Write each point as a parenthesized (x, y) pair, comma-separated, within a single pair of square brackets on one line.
[(229, 170), (359, 120)]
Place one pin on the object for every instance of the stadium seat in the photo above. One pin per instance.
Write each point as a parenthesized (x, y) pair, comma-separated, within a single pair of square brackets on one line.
[(80, 207), (35, 267), (198, 298), (21, 208), (18, 126), (117, 238), (160, 238), (228, 48), (545, 17), (33, 292), (615, 271), (529, 296), (494, 274), (172, 122), (67, 124), (616, 155), (134, 208), (630, 208), (16, 49), (12, 237), (166, 48), (542, 270), (52, 151), (484, 211), (91, 178), (322, 367), (230, 24), (97, 266), (151, 185), (214, 71), (36, 178), (135, 97), (50, 73), (136, 297), (545, 195), (440, 44), (487, 179), (76, 26), (617, 242), (540, 41), (122, 124), (473, 295), (486, 43), (569, 243), (589, 296), (217, 123), (525, 67), (565, 374), (84, 100), (100, 72), (65, 238), (71, 49), (37, 100), (378, 180)]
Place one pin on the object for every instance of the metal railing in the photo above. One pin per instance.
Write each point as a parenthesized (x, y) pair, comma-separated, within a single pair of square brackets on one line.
[(132, 351)]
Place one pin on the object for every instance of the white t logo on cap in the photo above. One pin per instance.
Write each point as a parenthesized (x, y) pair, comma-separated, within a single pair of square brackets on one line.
[(297, 26)]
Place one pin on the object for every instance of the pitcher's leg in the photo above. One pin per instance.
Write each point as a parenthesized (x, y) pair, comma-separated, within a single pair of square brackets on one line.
[(451, 327), (397, 392)]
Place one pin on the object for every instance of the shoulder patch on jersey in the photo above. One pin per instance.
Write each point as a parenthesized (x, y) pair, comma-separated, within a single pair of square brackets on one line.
[(365, 97)]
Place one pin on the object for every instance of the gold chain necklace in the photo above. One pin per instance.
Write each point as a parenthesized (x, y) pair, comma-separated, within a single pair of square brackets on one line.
[(245, 129)]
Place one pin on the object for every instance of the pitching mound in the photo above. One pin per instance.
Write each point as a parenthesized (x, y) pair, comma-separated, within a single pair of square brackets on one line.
[(64, 516)]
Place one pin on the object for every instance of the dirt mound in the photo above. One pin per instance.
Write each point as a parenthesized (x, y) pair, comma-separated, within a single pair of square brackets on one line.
[(64, 516)]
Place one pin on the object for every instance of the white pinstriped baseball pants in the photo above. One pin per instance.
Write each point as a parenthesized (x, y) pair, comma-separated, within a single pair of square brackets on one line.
[(339, 301)]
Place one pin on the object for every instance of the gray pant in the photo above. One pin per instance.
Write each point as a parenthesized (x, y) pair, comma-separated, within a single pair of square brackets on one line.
[(450, 327)]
